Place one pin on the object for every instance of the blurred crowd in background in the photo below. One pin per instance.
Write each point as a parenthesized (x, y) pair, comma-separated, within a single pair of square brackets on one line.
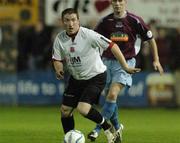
[(28, 47)]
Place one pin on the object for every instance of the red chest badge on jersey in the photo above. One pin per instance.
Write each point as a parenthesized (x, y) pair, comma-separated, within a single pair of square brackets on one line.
[(72, 49)]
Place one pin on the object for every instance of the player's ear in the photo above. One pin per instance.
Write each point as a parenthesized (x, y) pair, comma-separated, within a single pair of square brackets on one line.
[(79, 23)]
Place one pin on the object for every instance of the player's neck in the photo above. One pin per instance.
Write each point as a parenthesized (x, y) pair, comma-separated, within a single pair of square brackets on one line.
[(72, 36), (120, 15)]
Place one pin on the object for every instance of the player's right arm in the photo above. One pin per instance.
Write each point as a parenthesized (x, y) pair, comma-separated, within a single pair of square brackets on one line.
[(57, 58), (58, 67)]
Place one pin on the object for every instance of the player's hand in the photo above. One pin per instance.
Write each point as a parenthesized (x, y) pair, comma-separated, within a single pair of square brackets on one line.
[(59, 75), (158, 67), (132, 70)]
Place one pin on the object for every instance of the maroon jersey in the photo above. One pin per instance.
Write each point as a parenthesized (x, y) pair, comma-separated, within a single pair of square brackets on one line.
[(124, 32)]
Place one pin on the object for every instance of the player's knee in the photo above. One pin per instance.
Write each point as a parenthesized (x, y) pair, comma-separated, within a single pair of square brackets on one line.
[(65, 112), (82, 111), (83, 108), (112, 95)]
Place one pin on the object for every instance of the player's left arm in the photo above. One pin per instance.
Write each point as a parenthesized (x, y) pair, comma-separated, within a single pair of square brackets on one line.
[(100, 41), (147, 35), (120, 57), (156, 63)]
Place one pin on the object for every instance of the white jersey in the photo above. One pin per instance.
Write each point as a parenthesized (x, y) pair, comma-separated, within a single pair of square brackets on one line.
[(82, 55)]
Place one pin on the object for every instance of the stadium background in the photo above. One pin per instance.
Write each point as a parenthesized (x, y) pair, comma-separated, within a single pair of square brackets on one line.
[(30, 95), (27, 30)]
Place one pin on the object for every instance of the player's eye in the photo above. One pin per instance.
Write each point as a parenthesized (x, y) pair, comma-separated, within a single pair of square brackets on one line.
[(73, 19)]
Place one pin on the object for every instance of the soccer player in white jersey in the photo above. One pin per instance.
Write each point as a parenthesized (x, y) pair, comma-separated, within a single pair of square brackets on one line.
[(78, 48)]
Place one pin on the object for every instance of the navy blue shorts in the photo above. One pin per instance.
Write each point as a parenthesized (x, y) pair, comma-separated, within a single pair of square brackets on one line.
[(87, 91)]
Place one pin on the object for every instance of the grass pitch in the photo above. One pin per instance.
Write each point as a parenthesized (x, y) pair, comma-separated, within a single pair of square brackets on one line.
[(42, 125)]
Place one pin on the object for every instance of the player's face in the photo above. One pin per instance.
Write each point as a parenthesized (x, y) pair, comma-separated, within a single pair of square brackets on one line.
[(71, 23), (119, 6)]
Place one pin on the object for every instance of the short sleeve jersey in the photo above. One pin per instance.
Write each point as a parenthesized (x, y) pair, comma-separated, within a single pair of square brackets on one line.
[(125, 32), (81, 55)]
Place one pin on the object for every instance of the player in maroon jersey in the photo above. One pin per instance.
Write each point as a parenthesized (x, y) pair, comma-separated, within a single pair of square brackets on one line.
[(126, 30)]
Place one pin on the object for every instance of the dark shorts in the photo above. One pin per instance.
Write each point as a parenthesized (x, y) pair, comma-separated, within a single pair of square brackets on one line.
[(87, 91)]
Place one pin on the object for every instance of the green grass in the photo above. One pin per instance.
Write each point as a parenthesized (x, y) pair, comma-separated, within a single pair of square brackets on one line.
[(42, 125)]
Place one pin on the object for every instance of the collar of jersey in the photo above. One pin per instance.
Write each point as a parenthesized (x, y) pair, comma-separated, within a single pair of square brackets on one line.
[(72, 35)]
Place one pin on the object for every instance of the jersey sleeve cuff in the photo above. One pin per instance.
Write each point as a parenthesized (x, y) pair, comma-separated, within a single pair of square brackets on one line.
[(111, 45), (53, 59)]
